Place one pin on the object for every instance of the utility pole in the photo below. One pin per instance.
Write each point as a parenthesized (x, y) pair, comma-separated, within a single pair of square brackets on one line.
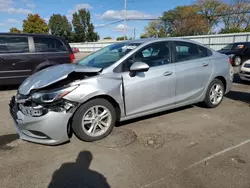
[(134, 33), (125, 18)]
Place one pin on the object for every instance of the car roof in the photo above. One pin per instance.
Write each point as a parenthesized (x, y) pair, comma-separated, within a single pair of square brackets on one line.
[(159, 39), (30, 35), (148, 40)]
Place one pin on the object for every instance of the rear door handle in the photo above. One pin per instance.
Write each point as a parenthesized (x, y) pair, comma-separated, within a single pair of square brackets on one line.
[(1, 59), (168, 73), (205, 64)]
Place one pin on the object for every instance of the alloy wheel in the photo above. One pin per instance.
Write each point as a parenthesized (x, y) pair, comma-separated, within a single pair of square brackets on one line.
[(216, 94), (96, 121)]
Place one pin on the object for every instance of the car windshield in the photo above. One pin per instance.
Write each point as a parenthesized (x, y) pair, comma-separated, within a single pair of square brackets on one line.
[(108, 55), (233, 46)]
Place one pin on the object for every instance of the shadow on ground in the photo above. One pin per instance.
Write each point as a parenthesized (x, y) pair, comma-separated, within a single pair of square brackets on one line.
[(78, 174), (6, 139), (237, 80), (239, 96), (9, 87)]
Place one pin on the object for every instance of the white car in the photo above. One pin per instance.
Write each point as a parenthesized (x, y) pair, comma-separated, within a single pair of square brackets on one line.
[(245, 71)]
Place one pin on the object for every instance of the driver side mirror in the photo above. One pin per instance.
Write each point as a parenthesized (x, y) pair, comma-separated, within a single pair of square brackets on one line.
[(138, 67)]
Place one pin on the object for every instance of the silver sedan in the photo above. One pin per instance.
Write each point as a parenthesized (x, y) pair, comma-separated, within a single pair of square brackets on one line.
[(119, 82)]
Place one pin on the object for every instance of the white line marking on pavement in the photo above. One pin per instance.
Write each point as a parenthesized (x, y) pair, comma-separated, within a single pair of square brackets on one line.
[(153, 182), (202, 161), (219, 153)]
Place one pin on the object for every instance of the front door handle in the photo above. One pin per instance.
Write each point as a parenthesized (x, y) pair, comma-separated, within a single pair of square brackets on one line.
[(1, 59), (168, 73), (205, 64)]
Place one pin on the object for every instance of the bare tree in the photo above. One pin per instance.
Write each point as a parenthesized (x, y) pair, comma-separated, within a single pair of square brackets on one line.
[(236, 14), (210, 9)]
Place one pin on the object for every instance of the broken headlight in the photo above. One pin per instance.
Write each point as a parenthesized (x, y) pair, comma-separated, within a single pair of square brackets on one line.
[(51, 95)]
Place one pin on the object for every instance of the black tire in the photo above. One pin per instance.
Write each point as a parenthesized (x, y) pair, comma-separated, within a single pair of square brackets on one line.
[(237, 61), (77, 119), (207, 102)]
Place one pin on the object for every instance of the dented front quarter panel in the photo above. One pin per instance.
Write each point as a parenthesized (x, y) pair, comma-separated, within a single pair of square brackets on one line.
[(109, 84)]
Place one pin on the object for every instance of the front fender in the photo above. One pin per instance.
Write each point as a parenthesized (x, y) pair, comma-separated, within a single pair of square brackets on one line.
[(110, 85)]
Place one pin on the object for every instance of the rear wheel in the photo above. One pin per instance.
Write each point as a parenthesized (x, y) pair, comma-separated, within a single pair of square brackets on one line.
[(237, 61), (94, 120), (215, 93)]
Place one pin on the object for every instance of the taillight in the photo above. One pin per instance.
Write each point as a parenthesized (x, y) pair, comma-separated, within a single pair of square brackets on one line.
[(231, 61), (72, 58)]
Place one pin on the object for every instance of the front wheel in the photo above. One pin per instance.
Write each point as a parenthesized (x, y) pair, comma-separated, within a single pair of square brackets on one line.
[(94, 120), (215, 94)]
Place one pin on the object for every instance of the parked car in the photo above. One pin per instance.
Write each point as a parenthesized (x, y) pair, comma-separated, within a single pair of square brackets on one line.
[(238, 52), (245, 71), (119, 82), (75, 50), (23, 54)]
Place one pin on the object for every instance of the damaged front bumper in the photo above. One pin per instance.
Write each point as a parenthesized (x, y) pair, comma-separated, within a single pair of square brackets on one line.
[(50, 128)]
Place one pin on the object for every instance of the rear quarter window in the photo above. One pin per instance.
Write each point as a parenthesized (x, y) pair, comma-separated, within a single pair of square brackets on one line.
[(14, 44), (44, 44)]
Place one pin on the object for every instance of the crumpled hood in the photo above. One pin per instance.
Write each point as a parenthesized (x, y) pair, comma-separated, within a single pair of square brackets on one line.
[(52, 75)]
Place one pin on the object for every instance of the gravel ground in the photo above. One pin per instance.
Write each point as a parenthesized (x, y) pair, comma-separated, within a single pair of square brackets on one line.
[(187, 147)]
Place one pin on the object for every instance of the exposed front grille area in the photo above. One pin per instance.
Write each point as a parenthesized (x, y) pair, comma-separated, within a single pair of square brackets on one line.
[(31, 111)]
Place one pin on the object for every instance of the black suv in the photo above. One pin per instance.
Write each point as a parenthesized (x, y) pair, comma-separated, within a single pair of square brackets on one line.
[(238, 52), (23, 54)]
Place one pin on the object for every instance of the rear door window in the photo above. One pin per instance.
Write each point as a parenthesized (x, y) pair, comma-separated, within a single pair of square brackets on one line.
[(13, 44), (44, 44), (186, 51)]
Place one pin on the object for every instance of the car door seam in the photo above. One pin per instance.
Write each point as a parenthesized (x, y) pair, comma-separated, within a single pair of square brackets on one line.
[(123, 97)]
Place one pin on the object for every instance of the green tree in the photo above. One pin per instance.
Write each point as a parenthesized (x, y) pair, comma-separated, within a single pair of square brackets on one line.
[(247, 29), (122, 38), (155, 29), (231, 30), (35, 24), (60, 26), (82, 13), (79, 32), (107, 38), (83, 28), (91, 35), (143, 36), (15, 30), (184, 20)]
